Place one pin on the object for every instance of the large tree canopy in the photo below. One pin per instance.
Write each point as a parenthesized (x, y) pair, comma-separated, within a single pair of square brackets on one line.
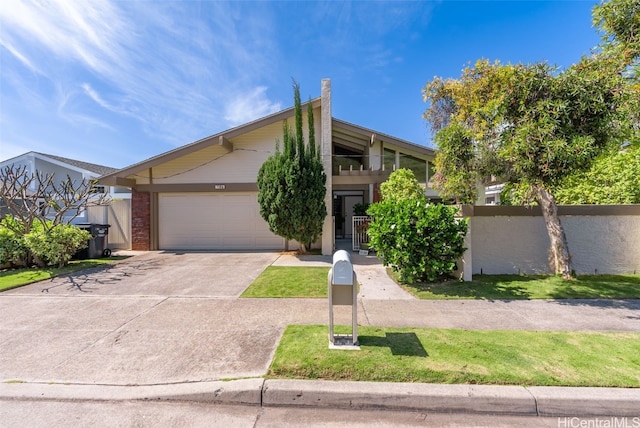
[(619, 24), (291, 183), (531, 125), (612, 179)]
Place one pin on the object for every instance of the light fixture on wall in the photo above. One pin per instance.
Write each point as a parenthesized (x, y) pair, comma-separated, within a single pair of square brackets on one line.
[(373, 139)]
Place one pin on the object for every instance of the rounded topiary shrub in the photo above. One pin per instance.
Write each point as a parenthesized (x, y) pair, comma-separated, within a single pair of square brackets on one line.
[(419, 240)]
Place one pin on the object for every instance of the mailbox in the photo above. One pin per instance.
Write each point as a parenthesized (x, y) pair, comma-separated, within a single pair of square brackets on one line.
[(342, 269), (342, 284)]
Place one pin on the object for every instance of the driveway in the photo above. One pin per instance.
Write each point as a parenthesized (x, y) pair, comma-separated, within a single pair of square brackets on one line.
[(153, 318), (162, 274)]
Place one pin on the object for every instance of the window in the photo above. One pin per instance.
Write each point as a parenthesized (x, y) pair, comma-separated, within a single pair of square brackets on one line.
[(418, 166), (346, 158), (98, 189), (389, 159)]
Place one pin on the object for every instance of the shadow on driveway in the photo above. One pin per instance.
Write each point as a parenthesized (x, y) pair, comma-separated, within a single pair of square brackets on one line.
[(202, 274)]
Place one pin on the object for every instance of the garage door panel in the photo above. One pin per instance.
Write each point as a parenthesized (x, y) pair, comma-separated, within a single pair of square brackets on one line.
[(216, 221)]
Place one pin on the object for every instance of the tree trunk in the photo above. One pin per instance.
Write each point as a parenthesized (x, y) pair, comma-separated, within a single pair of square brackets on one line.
[(559, 258)]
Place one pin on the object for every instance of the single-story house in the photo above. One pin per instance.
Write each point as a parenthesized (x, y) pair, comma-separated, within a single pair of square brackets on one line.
[(203, 196)]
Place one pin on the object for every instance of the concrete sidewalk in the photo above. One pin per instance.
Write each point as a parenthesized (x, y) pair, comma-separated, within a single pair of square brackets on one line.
[(137, 336)]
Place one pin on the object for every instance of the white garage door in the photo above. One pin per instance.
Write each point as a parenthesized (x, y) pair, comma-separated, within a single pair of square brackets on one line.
[(213, 221)]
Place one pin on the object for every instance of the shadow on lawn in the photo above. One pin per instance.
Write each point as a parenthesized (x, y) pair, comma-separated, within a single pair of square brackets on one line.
[(482, 287), (601, 291), (594, 290), (406, 344)]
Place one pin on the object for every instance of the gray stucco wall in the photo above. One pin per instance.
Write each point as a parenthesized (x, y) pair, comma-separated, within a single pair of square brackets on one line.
[(507, 240)]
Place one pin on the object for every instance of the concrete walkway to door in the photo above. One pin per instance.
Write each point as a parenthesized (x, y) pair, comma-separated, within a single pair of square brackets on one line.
[(374, 282)]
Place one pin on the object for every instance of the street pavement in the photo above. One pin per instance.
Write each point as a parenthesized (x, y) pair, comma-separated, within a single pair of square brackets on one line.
[(47, 414), (170, 327)]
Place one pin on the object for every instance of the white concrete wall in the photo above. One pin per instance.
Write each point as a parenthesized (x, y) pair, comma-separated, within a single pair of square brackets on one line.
[(598, 243)]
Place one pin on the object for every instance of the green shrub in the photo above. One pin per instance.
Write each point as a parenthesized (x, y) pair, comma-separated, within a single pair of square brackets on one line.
[(361, 208), (13, 249), (402, 184), (56, 246), (421, 241)]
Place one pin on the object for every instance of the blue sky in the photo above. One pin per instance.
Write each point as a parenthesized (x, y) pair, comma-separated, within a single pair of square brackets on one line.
[(116, 82)]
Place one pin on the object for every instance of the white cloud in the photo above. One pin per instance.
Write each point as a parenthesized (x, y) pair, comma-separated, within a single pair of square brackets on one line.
[(249, 106), (173, 66), (81, 31), (95, 96), (24, 60)]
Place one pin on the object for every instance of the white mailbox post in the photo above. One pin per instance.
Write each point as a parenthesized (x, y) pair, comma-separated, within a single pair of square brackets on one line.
[(342, 285)]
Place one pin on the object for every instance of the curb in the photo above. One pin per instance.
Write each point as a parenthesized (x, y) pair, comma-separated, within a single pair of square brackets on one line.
[(243, 391), (483, 399), (512, 400)]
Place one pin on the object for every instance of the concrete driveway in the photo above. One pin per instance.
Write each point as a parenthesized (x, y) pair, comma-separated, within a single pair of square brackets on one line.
[(162, 274), (154, 318)]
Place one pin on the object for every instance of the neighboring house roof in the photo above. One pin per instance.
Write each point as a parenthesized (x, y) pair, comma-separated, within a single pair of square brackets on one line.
[(363, 136), (72, 163), (98, 169)]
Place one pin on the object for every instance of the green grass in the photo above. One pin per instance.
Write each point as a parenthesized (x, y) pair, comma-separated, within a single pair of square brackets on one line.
[(18, 277), (530, 287), (289, 281), (463, 356)]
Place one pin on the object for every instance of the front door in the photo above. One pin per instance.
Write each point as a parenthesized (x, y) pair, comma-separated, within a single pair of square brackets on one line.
[(349, 202)]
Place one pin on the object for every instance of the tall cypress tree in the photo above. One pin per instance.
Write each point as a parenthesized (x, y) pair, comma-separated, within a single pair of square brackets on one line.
[(291, 183)]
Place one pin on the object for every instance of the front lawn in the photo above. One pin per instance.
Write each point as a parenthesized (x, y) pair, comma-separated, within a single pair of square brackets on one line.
[(18, 277), (522, 287), (303, 281), (462, 356), (289, 281)]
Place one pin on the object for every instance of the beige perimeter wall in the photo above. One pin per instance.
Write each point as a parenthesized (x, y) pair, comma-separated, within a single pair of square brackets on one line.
[(507, 240), (118, 216)]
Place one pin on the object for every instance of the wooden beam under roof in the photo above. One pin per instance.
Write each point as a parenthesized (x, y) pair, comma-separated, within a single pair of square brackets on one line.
[(225, 144), (348, 144)]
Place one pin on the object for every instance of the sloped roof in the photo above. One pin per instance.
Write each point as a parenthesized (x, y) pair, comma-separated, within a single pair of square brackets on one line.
[(98, 169), (204, 142), (91, 167), (361, 133)]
